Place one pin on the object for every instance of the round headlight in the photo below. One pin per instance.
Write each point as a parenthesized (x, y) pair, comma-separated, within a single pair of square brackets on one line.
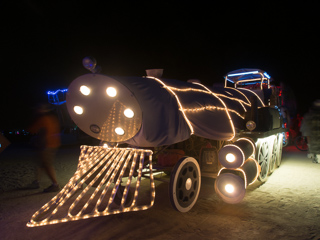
[(230, 157), (251, 125)]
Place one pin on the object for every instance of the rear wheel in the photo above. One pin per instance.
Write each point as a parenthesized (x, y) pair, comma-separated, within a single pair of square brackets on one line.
[(280, 146), (274, 155), (263, 158)]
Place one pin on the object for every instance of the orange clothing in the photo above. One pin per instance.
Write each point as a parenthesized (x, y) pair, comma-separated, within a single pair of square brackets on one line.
[(49, 126)]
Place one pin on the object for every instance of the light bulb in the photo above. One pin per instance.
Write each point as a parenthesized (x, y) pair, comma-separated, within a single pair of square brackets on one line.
[(119, 131), (78, 110), (230, 157), (128, 113), (85, 90), (229, 188), (111, 91)]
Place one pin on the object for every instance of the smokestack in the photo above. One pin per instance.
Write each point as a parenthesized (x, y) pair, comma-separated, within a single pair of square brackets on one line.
[(157, 73)]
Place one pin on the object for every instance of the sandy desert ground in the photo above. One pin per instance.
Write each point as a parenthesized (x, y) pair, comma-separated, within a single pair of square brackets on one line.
[(287, 206)]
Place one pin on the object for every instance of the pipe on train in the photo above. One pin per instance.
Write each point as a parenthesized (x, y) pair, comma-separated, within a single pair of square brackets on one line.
[(231, 184), (234, 155)]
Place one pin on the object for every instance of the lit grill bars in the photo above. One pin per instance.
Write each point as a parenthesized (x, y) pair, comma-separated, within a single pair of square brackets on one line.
[(95, 189), (239, 170)]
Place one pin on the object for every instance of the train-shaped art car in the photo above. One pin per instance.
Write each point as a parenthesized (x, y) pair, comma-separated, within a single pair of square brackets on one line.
[(151, 125)]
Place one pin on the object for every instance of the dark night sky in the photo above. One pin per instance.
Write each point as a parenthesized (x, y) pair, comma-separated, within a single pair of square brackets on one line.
[(44, 42)]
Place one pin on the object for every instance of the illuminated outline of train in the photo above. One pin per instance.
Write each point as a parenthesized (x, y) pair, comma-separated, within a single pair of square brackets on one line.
[(241, 127)]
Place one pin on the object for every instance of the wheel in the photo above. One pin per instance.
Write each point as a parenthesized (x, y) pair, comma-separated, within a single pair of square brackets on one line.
[(185, 182), (280, 146), (301, 143), (263, 158), (274, 155)]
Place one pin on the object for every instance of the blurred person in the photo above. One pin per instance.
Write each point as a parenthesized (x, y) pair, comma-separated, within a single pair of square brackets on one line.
[(310, 128), (46, 128)]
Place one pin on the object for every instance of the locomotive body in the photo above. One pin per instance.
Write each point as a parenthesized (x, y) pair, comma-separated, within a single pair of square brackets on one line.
[(237, 128), (164, 111)]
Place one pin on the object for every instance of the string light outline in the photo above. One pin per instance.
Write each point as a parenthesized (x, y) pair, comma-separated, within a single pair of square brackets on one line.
[(207, 91), (226, 109), (94, 155)]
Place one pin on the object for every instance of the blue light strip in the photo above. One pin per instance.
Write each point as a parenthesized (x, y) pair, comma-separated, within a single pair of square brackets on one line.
[(57, 97), (59, 90), (266, 75), (244, 73)]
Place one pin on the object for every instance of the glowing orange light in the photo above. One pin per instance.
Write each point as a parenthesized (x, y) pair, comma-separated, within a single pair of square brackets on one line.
[(229, 188), (230, 157)]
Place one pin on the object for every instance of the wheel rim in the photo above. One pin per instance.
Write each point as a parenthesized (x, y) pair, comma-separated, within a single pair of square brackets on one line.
[(301, 143), (263, 160), (185, 184), (279, 154), (274, 155)]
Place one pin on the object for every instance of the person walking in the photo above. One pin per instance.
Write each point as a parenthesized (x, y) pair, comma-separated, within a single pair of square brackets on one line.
[(46, 128)]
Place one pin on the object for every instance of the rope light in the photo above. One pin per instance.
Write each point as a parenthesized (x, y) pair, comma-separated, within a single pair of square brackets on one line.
[(225, 106), (178, 101), (216, 95), (103, 168)]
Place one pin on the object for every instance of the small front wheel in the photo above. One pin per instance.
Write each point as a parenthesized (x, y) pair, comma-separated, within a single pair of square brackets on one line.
[(185, 182)]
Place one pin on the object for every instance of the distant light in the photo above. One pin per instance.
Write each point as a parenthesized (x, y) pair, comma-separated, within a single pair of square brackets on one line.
[(229, 188), (230, 157), (111, 91), (119, 131), (78, 110), (128, 113), (85, 90)]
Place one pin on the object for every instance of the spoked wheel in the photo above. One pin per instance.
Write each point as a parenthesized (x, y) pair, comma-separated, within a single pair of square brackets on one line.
[(280, 146), (301, 143), (263, 158), (185, 182), (274, 155)]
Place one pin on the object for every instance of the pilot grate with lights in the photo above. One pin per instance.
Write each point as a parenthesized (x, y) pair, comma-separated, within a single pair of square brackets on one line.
[(95, 188)]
